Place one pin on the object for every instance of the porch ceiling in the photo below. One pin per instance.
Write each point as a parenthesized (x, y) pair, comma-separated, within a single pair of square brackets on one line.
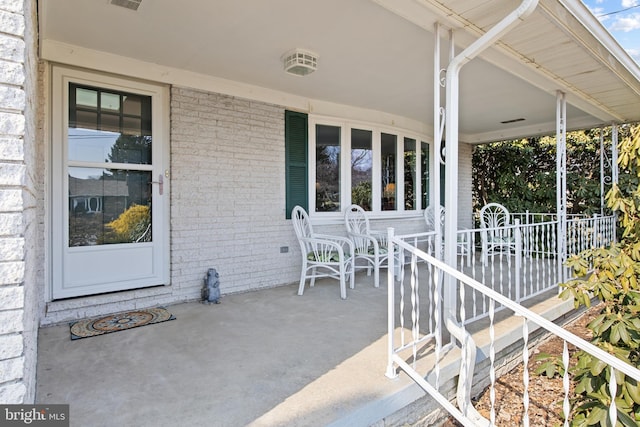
[(374, 54)]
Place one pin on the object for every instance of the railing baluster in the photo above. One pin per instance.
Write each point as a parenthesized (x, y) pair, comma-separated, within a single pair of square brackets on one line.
[(525, 372), (415, 312), (436, 297), (613, 391), (492, 359), (566, 406)]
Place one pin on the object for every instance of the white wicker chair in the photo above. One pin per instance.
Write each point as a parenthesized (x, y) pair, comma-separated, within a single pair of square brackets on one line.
[(496, 237), (370, 246), (463, 245), (322, 255)]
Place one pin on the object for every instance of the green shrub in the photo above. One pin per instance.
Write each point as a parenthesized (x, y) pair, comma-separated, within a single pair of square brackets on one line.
[(611, 275)]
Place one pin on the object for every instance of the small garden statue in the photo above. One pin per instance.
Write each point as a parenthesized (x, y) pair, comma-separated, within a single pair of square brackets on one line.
[(211, 289)]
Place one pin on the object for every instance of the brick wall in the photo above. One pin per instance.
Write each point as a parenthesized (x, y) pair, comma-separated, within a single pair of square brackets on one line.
[(18, 222), (465, 183), (227, 205), (228, 194)]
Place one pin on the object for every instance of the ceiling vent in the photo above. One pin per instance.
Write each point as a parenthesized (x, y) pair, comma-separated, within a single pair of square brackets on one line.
[(128, 4), (300, 62)]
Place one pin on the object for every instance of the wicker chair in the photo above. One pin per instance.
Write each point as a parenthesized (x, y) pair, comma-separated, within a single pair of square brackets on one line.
[(322, 255), (496, 236), (370, 246)]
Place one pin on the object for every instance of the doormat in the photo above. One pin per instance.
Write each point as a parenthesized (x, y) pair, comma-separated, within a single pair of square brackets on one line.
[(118, 322)]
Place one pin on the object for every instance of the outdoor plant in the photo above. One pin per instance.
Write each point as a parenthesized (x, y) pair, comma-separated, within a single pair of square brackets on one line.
[(612, 276)]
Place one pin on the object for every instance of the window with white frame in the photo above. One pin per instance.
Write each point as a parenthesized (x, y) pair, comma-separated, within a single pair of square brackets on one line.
[(382, 170)]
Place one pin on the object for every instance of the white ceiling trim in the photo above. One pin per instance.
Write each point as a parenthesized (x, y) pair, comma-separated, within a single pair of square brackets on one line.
[(503, 56)]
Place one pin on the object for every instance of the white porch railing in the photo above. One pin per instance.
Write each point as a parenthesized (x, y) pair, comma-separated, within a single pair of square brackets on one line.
[(421, 337), (526, 266)]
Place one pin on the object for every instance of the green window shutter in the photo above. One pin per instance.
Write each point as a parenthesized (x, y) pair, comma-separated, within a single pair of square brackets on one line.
[(296, 160)]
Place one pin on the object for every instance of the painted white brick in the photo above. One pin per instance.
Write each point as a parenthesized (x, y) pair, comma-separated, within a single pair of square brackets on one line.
[(13, 394), (10, 200), (12, 297), (12, 48), (11, 273), (10, 346), (10, 322), (11, 369), (11, 149), (12, 23), (11, 124), (12, 98), (12, 174), (10, 224), (14, 6), (12, 73)]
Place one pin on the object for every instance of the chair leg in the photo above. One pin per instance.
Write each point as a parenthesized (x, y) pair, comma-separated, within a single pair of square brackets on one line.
[(376, 273), (352, 283), (312, 281), (303, 277), (343, 287)]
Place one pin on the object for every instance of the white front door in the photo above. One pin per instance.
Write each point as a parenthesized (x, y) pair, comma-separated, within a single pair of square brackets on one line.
[(110, 184)]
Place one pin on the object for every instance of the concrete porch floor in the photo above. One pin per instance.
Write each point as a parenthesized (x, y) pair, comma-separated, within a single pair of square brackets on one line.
[(263, 358)]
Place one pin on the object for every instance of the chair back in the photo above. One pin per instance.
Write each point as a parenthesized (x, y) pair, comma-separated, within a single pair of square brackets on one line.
[(430, 218), (301, 223), (494, 215), (356, 221)]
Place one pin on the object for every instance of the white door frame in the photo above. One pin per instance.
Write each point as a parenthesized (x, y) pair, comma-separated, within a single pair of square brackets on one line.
[(157, 272)]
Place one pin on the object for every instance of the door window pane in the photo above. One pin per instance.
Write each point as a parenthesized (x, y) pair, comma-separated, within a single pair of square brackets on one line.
[(101, 131), (327, 168), (388, 168), (409, 174), (361, 167), (108, 206)]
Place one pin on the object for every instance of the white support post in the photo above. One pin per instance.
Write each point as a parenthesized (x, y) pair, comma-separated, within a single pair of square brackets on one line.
[(614, 163), (452, 101), (561, 181), (614, 153), (437, 139), (602, 178), (391, 326)]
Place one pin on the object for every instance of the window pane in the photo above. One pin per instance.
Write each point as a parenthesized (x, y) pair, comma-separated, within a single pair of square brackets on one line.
[(388, 168), (108, 206), (361, 167), (87, 98), (409, 174), (105, 134), (424, 156), (110, 102), (110, 122), (132, 105), (327, 168)]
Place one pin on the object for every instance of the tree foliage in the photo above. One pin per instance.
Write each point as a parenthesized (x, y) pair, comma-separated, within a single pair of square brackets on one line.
[(612, 275), (521, 175)]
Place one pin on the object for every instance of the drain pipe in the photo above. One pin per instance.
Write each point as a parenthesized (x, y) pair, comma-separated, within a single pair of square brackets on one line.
[(451, 186)]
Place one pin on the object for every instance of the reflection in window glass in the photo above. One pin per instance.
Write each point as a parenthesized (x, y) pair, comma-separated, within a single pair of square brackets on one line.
[(110, 101), (87, 98), (388, 168), (424, 156), (361, 167), (101, 131), (327, 168), (409, 174), (108, 206)]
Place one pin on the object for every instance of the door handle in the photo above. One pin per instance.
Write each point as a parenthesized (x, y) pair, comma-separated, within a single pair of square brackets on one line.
[(160, 183)]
